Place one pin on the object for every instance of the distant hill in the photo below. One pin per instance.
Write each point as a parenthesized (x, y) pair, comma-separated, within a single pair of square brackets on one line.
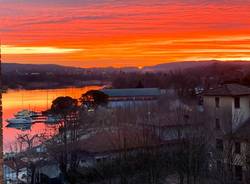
[(22, 68), (166, 67), (40, 76)]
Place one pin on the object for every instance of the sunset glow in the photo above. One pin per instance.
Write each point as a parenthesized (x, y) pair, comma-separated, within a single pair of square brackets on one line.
[(12, 50), (138, 33)]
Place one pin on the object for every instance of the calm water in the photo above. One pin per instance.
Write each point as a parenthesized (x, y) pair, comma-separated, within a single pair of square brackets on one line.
[(36, 100)]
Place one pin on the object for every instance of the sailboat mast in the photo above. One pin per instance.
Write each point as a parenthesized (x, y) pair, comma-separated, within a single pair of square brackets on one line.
[(47, 98)]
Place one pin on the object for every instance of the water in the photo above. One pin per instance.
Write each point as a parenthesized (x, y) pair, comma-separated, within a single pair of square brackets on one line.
[(36, 100)]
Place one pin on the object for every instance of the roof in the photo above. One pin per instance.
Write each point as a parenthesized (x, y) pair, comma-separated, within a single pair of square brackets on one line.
[(118, 139), (133, 92), (228, 90)]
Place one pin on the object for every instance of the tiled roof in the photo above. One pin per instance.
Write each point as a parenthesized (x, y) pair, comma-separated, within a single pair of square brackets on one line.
[(117, 140), (132, 92), (228, 90)]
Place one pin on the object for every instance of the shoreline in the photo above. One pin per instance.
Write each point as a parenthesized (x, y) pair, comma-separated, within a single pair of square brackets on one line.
[(5, 90)]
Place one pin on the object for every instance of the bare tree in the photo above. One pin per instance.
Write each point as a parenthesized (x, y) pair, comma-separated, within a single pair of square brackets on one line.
[(30, 154)]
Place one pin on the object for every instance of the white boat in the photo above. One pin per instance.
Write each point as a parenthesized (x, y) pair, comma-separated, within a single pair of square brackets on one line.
[(19, 126), (20, 121), (25, 113)]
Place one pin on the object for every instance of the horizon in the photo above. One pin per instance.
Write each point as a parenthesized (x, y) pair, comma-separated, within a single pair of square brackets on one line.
[(87, 34), (138, 67)]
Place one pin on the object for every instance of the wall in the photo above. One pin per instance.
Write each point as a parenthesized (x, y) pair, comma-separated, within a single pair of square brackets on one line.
[(231, 118), (241, 114), (223, 113), (130, 103)]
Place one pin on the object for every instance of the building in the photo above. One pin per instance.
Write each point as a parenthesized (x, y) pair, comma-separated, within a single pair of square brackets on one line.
[(109, 144), (241, 150), (15, 171), (132, 96), (228, 109)]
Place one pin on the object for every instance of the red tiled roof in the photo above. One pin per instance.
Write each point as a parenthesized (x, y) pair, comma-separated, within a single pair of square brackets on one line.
[(116, 140), (228, 90)]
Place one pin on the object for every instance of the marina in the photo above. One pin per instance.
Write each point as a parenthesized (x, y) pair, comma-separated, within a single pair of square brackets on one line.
[(22, 111), (29, 117)]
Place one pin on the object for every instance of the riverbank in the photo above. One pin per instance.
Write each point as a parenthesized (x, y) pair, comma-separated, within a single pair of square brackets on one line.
[(54, 85)]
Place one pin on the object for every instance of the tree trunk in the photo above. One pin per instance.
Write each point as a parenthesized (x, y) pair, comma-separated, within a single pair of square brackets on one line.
[(33, 170), (181, 178)]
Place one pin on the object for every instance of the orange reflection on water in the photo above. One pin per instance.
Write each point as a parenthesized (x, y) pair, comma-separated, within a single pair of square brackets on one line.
[(36, 100)]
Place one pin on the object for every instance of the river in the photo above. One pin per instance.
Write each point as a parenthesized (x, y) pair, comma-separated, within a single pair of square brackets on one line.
[(36, 100)]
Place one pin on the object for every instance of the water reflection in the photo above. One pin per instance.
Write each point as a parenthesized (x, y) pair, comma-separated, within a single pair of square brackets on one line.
[(35, 100)]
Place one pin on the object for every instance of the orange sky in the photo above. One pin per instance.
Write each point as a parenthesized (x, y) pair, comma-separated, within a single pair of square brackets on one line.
[(97, 33)]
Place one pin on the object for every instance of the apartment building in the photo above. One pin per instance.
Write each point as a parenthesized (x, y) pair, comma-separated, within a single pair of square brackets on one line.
[(228, 108)]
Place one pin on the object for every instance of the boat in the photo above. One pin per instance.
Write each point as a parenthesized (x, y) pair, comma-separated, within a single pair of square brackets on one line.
[(52, 119), (25, 113), (3, 90), (22, 127), (26, 120)]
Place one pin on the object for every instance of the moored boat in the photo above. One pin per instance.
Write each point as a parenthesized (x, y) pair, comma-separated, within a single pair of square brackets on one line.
[(52, 119), (22, 127), (25, 113), (26, 120)]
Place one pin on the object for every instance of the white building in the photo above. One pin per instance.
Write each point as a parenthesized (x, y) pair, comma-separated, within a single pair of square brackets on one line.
[(228, 108), (132, 96)]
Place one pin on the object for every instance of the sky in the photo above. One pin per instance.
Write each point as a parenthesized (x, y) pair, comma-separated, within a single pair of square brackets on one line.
[(118, 33)]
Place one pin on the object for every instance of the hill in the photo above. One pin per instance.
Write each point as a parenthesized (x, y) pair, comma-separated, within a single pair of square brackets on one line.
[(22, 68), (166, 67)]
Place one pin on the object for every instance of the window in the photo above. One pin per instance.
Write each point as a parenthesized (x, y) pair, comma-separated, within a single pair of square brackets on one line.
[(219, 144), (217, 102), (219, 165), (237, 147), (237, 102), (186, 118), (98, 160), (201, 102), (238, 172), (230, 167), (217, 123)]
